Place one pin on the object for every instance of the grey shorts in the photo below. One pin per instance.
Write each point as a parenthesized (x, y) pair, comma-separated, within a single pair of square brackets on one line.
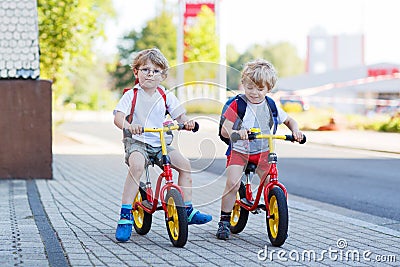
[(131, 145)]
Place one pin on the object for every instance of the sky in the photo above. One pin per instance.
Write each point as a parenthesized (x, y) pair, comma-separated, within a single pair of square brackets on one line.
[(246, 22)]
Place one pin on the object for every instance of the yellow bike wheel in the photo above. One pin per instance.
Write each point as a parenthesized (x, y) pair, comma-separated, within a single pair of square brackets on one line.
[(239, 215), (277, 223), (176, 218), (141, 219)]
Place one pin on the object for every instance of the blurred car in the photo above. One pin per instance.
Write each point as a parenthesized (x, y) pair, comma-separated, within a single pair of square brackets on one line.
[(294, 100)]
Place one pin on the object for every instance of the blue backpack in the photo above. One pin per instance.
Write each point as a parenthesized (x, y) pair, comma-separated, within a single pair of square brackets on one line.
[(241, 106)]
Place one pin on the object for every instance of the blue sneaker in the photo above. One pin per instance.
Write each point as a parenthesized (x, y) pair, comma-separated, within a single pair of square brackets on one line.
[(124, 228), (223, 230), (196, 217)]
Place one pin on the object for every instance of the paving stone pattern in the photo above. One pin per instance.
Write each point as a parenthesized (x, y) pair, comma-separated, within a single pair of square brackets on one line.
[(83, 201)]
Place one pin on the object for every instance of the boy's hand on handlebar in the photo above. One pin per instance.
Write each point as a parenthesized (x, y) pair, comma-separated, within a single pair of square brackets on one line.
[(136, 128), (243, 134), (298, 136), (189, 125)]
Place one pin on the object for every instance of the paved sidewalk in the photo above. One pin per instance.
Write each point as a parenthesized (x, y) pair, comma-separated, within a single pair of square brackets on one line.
[(81, 204)]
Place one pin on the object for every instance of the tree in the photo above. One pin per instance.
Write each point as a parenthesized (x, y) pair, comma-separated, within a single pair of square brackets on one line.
[(159, 32), (67, 30), (201, 45), (201, 39), (282, 55)]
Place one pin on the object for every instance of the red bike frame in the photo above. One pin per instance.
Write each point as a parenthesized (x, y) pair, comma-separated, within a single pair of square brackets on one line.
[(166, 174), (272, 173)]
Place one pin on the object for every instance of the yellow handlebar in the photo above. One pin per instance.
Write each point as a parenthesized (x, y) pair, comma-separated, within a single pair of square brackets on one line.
[(255, 133)]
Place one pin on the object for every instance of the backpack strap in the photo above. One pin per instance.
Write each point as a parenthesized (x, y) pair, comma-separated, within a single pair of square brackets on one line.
[(164, 96), (135, 91), (130, 116), (274, 111), (241, 110)]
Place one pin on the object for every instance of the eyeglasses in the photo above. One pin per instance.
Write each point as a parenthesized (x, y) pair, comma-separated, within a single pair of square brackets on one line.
[(146, 71)]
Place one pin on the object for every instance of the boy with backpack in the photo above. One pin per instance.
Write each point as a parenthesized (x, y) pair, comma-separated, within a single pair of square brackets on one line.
[(253, 109), (146, 106)]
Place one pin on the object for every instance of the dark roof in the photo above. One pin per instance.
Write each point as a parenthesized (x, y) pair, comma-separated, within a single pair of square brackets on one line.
[(19, 45)]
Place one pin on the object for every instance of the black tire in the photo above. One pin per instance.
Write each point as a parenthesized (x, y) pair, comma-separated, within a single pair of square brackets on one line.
[(141, 219), (239, 215), (277, 224), (177, 220)]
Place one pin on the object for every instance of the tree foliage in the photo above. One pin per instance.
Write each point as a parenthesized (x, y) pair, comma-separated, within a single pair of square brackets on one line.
[(67, 31), (282, 55), (159, 32), (201, 40)]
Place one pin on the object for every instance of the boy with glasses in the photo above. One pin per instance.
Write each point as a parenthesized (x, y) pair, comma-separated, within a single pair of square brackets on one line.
[(150, 68)]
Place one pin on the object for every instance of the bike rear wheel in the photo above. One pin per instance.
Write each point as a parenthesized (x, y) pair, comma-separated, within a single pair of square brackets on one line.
[(277, 223), (176, 218), (141, 219), (239, 215)]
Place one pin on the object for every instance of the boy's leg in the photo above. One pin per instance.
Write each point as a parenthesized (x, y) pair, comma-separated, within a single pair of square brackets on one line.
[(136, 166), (182, 165), (263, 166), (234, 173)]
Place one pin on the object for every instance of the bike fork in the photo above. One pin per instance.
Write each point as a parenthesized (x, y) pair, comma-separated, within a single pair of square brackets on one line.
[(249, 193), (149, 190)]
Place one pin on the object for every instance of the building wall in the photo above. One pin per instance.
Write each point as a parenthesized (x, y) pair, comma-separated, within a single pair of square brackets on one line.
[(25, 129), (327, 52)]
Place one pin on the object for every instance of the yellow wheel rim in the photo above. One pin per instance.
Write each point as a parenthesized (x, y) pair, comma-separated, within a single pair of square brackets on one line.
[(235, 212), (173, 220), (273, 221), (138, 214)]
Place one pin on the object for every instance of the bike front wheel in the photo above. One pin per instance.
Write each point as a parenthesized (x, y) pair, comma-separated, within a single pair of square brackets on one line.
[(176, 218), (239, 215), (141, 219), (278, 221)]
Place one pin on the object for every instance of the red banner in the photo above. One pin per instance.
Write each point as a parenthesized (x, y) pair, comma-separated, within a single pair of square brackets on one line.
[(193, 8)]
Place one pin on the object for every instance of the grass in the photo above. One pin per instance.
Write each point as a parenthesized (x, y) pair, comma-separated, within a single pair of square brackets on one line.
[(314, 118)]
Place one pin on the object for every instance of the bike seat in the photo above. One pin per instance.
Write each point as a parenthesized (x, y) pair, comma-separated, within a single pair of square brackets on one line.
[(153, 161), (251, 167)]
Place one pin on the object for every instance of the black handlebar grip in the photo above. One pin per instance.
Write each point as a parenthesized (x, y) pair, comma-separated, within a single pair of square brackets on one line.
[(235, 137), (196, 127), (303, 140), (291, 138), (183, 126), (252, 136)]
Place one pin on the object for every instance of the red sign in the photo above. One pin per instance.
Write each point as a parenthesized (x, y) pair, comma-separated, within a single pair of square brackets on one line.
[(193, 8)]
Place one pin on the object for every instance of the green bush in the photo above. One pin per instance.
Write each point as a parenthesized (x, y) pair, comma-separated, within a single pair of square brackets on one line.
[(393, 125)]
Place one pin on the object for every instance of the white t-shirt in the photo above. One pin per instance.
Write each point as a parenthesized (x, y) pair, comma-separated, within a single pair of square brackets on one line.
[(258, 116), (149, 111)]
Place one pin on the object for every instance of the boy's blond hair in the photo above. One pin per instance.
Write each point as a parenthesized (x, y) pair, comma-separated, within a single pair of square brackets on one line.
[(153, 55), (261, 73)]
